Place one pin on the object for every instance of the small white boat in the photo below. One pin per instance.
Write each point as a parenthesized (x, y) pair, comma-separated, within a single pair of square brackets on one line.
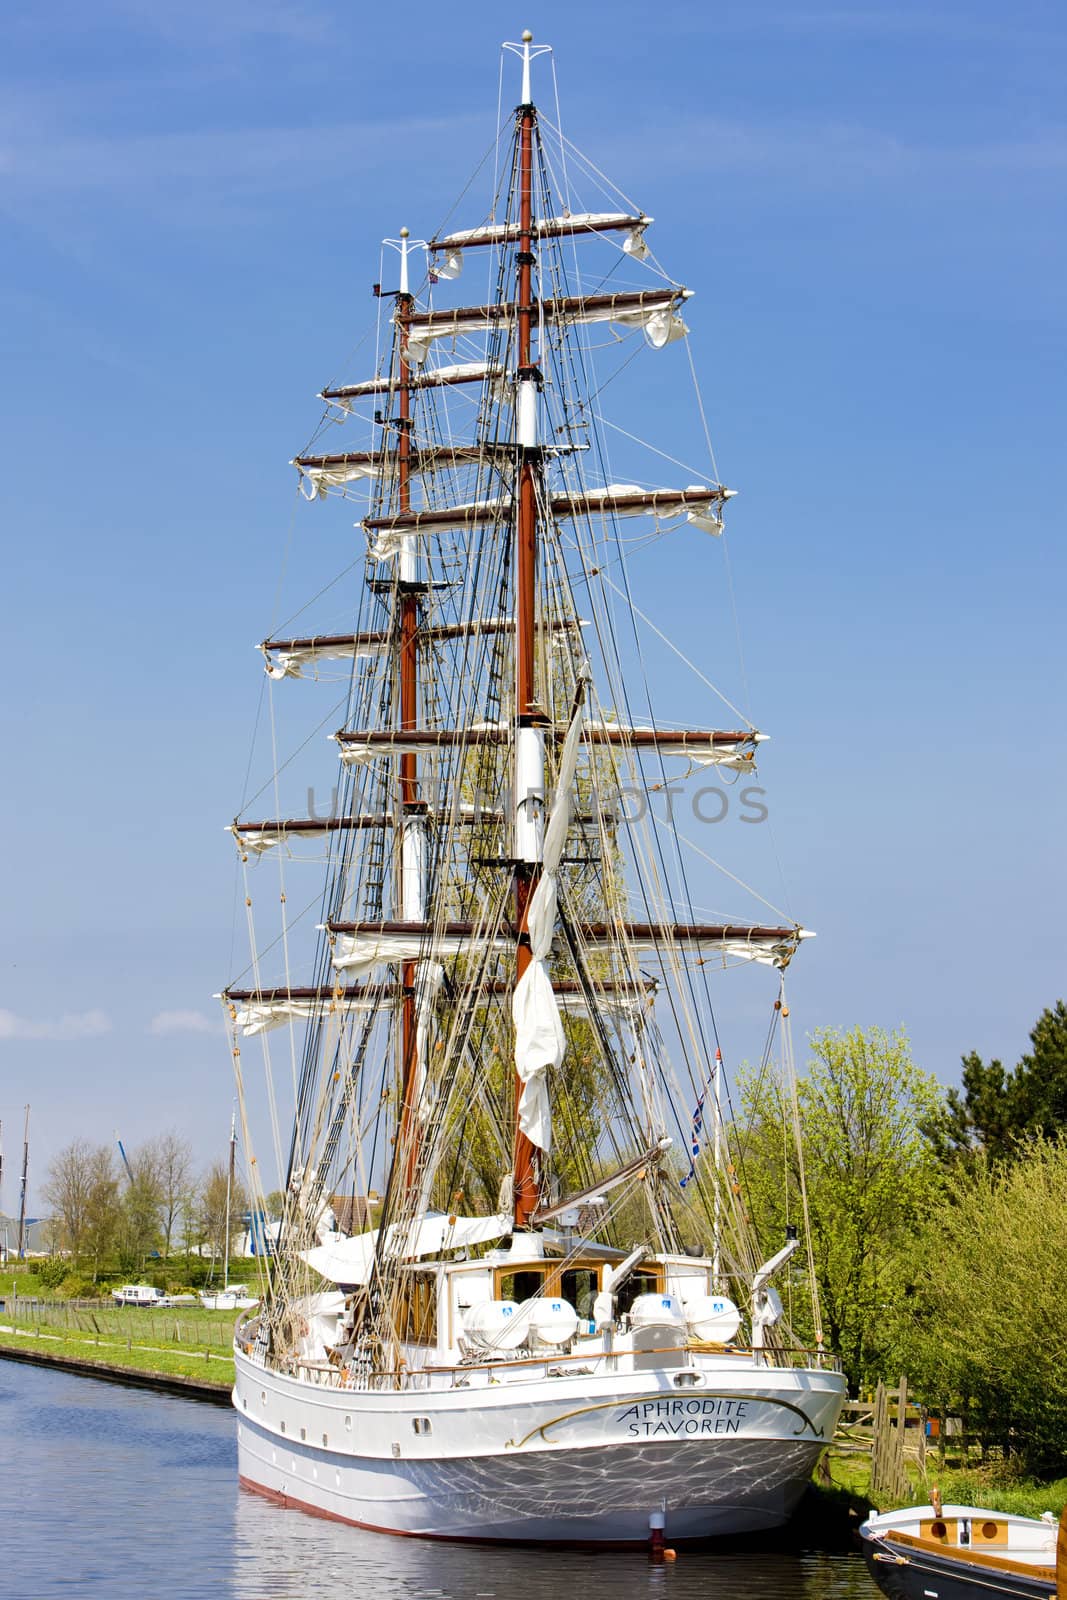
[(954, 1552), (232, 1297), (139, 1294)]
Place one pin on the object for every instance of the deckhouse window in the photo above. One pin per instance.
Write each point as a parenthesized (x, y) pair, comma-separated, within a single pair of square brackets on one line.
[(647, 1282), (520, 1285)]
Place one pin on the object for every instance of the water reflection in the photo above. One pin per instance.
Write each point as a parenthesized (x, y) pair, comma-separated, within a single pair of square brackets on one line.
[(112, 1494), (275, 1551)]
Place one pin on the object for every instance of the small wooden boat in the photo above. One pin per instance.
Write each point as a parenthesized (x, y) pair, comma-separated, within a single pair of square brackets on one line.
[(953, 1552)]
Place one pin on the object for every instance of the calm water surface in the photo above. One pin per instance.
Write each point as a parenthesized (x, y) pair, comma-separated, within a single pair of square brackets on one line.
[(124, 1495)]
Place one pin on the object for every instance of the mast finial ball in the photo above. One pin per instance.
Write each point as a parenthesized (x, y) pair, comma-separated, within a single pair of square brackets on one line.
[(404, 234), (527, 36)]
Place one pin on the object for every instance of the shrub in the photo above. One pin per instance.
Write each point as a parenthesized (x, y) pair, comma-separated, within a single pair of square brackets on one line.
[(50, 1274), (77, 1286), (982, 1327)]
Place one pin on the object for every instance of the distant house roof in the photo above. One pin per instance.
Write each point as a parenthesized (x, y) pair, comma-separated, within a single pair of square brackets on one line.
[(352, 1212)]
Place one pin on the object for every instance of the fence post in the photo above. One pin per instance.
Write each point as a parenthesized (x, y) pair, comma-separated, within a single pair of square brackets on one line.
[(878, 1443)]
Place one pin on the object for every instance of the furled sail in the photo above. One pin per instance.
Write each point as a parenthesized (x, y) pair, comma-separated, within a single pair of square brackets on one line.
[(630, 500), (436, 378), (575, 222), (769, 946), (286, 658), (260, 1010), (731, 748), (390, 532), (653, 310), (356, 954), (734, 749), (256, 838), (366, 744), (698, 503), (321, 473)]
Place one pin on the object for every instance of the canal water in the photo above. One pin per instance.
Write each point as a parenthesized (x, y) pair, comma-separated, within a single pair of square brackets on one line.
[(119, 1494)]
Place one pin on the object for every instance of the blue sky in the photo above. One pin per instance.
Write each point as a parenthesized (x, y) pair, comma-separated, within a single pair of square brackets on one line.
[(869, 203)]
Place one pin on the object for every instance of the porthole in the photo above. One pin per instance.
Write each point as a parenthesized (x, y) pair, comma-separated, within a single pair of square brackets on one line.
[(421, 1425), (348, 1422), (303, 1433), (989, 1530), (282, 1426)]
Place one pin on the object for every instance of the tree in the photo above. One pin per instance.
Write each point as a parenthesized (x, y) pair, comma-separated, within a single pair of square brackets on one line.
[(980, 1326), (103, 1212), (215, 1219), (862, 1105), (174, 1167), (83, 1189), (995, 1110), (141, 1206), (67, 1191)]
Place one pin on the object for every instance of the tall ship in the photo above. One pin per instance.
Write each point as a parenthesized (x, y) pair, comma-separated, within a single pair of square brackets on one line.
[(514, 1294)]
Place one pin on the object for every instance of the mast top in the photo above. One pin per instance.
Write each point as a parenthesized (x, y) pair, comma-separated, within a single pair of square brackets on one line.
[(404, 237), (527, 52), (404, 244)]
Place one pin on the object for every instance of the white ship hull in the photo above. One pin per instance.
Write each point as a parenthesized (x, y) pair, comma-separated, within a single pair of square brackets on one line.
[(548, 1459)]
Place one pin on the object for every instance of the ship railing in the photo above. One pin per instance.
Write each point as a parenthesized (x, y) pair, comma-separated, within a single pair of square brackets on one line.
[(546, 1365), (435, 1375)]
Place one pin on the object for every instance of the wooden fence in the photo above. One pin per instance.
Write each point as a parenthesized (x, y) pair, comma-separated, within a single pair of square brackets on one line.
[(147, 1327), (901, 1437)]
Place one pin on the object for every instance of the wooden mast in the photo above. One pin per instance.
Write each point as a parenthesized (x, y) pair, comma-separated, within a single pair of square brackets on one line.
[(409, 788), (526, 1182)]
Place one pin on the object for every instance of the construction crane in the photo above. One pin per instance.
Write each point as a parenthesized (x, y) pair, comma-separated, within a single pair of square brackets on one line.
[(125, 1159)]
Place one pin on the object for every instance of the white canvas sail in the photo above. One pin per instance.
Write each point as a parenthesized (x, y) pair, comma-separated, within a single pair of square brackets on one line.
[(539, 1037)]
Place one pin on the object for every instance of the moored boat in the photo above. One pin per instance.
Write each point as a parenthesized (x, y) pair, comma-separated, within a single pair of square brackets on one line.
[(561, 1327), (956, 1552)]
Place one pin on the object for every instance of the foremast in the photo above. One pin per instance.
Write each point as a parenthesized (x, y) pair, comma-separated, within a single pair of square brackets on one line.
[(412, 812)]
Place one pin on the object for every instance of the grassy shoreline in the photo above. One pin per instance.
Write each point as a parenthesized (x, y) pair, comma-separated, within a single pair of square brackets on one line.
[(207, 1366)]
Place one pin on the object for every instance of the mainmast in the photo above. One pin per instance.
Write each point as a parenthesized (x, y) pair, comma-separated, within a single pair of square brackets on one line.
[(412, 823), (529, 718)]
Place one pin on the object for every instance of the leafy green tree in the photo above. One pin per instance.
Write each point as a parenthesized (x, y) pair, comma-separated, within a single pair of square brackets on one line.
[(67, 1191), (103, 1208), (981, 1327), (215, 1219), (142, 1203), (174, 1173), (996, 1108), (861, 1105)]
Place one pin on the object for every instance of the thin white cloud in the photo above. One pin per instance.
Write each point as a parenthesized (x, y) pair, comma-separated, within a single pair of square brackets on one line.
[(76, 1025), (827, 154), (242, 164), (203, 26), (181, 1022), (271, 158)]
